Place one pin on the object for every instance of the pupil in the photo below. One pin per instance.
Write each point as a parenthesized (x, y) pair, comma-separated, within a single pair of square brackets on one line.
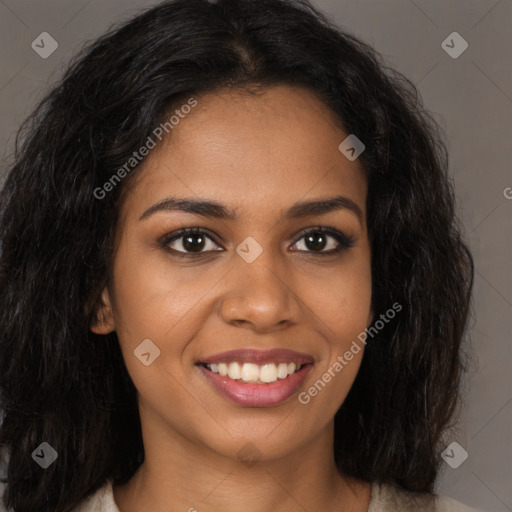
[(195, 243), (311, 244), (190, 245)]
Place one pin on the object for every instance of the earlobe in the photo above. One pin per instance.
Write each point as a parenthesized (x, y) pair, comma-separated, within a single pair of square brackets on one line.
[(104, 323)]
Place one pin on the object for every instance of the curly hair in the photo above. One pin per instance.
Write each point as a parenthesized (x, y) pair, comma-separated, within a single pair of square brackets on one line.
[(63, 384)]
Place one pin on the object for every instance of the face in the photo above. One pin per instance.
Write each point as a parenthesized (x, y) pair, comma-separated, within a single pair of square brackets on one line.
[(261, 272)]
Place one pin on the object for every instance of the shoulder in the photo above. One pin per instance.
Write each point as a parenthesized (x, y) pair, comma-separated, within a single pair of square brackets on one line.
[(390, 498), (101, 500)]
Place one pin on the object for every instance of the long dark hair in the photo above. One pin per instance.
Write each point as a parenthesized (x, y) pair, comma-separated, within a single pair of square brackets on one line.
[(64, 385)]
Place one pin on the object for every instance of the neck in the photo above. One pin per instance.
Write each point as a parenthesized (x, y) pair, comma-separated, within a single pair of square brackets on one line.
[(179, 474)]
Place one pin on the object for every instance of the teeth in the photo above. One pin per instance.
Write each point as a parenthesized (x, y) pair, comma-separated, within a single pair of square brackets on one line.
[(234, 371), (268, 373), (251, 372), (282, 371)]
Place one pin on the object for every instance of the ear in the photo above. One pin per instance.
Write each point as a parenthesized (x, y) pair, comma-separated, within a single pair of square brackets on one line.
[(104, 323)]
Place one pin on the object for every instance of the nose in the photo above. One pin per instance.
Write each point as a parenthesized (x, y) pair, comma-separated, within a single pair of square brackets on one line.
[(261, 296)]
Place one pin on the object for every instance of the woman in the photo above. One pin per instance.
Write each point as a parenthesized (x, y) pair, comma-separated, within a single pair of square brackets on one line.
[(231, 274)]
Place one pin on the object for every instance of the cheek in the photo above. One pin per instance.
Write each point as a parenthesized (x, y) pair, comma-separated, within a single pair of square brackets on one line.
[(342, 301), (342, 304), (343, 308), (153, 297), (152, 305), (162, 303)]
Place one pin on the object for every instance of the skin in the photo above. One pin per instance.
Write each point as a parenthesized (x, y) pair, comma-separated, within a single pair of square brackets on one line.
[(257, 154)]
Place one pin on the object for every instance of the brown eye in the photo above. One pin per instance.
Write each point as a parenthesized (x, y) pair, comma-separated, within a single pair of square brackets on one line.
[(316, 241), (325, 241), (189, 242), (193, 243)]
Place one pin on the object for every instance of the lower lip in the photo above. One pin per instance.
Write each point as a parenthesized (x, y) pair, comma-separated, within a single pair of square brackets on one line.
[(257, 395)]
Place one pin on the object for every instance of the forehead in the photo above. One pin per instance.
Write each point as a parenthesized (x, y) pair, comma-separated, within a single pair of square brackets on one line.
[(251, 150)]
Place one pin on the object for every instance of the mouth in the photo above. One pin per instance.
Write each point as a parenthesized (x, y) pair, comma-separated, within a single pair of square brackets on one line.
[(256, 378)]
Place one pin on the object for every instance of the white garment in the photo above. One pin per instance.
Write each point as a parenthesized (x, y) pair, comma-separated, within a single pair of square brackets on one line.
[(384, 498)]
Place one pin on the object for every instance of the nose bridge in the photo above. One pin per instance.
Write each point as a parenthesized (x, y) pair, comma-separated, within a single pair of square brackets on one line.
[(258, 292)]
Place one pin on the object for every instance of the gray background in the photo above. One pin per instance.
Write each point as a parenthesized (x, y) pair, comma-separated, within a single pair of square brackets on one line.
[(471, 98)]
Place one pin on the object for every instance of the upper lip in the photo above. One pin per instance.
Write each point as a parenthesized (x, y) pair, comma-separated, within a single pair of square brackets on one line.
[(260, 357)]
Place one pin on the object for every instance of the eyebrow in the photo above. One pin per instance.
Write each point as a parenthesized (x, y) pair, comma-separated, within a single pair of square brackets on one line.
[(217, 210)]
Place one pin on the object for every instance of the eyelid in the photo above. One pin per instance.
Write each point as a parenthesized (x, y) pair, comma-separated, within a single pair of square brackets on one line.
[(165, 240), (344, 241)]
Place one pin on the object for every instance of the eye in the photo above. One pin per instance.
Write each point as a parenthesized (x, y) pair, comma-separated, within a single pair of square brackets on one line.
[(189, 242), (192, 242), (316, 241)]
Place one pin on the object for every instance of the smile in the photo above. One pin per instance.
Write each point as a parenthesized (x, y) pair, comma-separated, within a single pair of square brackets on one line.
[(250, 372), (257, 378)]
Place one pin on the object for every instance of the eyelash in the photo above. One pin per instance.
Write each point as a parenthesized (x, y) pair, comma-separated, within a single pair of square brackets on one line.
[(345, 242)]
